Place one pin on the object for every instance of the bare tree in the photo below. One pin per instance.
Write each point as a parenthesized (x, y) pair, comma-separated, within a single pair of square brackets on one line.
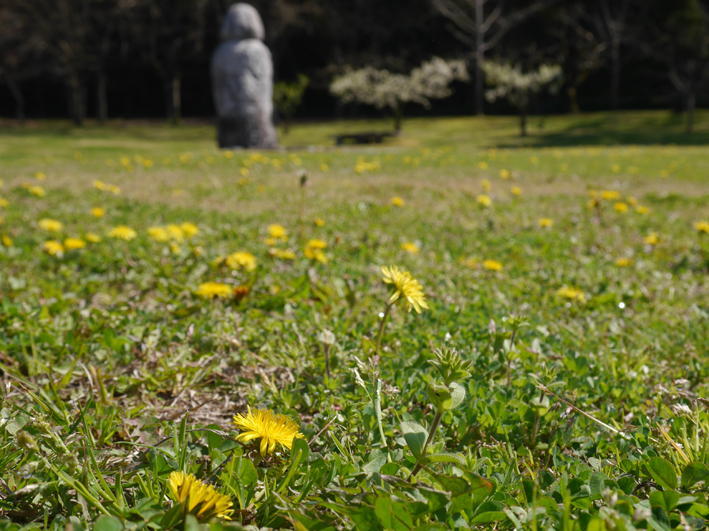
[(611, 22), (480, 25)]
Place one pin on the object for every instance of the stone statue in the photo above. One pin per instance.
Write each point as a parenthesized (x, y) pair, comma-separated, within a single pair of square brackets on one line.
[(242, 82)]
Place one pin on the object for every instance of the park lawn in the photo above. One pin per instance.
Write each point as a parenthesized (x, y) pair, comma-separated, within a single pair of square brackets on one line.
[(563, 349)]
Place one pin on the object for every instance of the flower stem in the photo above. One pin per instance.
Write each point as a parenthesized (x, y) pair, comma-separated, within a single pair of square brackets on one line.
[(434, 427), (378, 344)]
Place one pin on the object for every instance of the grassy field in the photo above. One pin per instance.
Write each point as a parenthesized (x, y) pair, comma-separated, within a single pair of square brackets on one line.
[(153, 287)]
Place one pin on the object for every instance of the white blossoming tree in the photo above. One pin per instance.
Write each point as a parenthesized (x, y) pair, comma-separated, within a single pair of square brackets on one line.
[(510, 83), (388, 90)]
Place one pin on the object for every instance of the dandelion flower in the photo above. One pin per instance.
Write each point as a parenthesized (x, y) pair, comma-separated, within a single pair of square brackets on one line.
[(652, 239), (282, 254), (36, 191), (175, 232), (106, 187), (405, 287), (624, 262), (92, 237), (492, 265), (621, 207), (483, 200), (610, 195), (702, 226), (122, 232), (241, 260), (410, 247), (97, 212), (471, 262), (314, 251), (189, 230), (505, 174), (159, 234), (319, 222), (270, 427), (545, 223), (642, 209), (50, 225), (71, 244), (3, 202), (277, 232), (53, 248), (199, 498), (213, 290), (40, 175), (6, 240), (571, 293), (397, 201), (516, 191)]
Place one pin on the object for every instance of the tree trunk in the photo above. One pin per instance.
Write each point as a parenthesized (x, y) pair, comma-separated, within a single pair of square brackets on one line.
[(523, 121), (398, 117), (615, 74), (572, 93), (101, 98), (173, 89), (691, 104), (77, 108), (19, 98), (479, 58)]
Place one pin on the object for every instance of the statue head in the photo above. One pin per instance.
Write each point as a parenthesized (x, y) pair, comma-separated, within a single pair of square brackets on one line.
[(242, 21)]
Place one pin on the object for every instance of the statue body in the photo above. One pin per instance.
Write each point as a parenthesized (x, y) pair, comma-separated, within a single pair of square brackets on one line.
[(242, 82)]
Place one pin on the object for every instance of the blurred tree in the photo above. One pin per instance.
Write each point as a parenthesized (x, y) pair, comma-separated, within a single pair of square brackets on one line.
[(21, 54), (384, 89), (611, 21), (481, 27), (169, 34), (509, 82), (287, 97)]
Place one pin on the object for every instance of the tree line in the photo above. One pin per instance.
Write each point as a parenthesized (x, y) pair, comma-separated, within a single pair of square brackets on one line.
[(109, 58)]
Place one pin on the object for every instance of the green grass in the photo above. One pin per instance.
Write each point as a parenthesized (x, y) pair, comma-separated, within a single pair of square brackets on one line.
[(543, 412)]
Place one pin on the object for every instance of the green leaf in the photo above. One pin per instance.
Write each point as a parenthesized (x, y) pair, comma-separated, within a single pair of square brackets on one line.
[(415, 436), (392, 514), (489, 516), (693, 473), (445, 457), (377, 460), (457, 395), (662, 472), (107, 523)]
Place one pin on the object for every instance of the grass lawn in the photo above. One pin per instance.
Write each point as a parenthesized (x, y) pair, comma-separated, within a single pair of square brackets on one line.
[(153, 287)]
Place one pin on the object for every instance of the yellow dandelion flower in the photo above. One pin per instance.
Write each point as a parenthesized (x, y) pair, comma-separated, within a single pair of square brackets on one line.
[(271, 428), (282, 254), (620, 206), (545, 223), (175, 248), (6, 240), (74, 243), (410, 247), (505, 174), (40, 175), (624, 262), (122, 232), (212, 290), (198, 498), (486, 185), (652, 239), (4, 202), (642, 209), (702, 226), (92, 237), (482, 165), (314, 250), (483, 200), (319, 222), (241, 260), (397, 201), (406, 287), (159, 234), (98, 212), (492, 265), (571, 293), (277, 232), (610, 195), (471, 262), (189, 230), (36, 191), (175, 232), (106, 187), (516, 191), (53, 248), (50, 225)]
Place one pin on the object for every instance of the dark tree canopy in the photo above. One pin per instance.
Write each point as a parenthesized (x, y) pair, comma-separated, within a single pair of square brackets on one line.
[(150, 58)]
